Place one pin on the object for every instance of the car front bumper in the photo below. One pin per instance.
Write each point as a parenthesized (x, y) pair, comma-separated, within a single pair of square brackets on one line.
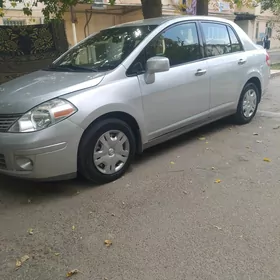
[(43, 155)]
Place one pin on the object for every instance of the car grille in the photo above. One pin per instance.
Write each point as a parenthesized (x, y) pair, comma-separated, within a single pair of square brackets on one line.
[(6, 121), (2, 162)]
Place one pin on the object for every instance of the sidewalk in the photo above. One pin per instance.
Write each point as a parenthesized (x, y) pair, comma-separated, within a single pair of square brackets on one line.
[(274, 50), (274, 73)]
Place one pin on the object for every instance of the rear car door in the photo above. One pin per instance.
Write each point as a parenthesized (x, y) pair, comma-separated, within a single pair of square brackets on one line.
[(227, 66), (181, 95)]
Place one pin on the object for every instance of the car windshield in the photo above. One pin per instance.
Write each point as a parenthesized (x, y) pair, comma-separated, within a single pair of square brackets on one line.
[(103, 51)]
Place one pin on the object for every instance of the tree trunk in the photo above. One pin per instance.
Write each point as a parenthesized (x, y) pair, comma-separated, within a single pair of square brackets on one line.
[(202, 7), (151, 8)]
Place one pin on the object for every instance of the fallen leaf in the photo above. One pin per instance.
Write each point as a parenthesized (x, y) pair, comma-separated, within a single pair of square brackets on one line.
[(276, 127), (24, 258), (30, 231), (218, 181), (206, 142), (172, 162), (255, 133), (56, 254), (108, 243), (219, 228), (201, 138), (266, 160), (185, 192), (18, 264), (73, 227), (72, 272)]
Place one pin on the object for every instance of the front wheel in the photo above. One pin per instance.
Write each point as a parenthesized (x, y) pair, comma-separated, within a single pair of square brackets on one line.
[(106, 151), (248, 104)]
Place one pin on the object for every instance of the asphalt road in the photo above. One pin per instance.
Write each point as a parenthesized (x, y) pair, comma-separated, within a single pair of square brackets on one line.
[(167, 218)]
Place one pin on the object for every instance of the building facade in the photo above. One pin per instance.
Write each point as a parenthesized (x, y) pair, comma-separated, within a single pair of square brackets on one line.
[(86, 19), (90, 19), (13, 15)]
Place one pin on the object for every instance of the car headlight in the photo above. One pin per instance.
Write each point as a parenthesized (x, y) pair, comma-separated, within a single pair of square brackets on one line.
[(44, 115)]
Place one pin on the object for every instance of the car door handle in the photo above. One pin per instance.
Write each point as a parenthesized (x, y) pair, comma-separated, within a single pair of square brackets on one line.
[(241, 61), (200, 72)]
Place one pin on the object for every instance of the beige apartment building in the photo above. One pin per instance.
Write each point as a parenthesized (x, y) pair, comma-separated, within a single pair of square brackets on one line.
[(90, 19), (15, 16), (87, 19)]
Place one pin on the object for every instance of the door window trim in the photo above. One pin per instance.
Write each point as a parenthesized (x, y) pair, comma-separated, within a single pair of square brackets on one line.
[(237, 37)]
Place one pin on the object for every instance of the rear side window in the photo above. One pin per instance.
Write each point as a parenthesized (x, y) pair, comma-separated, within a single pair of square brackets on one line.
[(179, 44), (217, 39), (235, 43)]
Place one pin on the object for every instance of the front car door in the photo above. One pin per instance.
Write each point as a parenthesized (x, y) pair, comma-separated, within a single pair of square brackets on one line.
[(181, 95), (227, 66)]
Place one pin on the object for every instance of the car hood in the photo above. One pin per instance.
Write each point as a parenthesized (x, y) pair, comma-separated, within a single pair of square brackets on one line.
[(22, 94)]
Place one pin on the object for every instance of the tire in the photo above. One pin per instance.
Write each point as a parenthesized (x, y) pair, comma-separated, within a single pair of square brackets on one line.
[(241, 116), (107, 152)]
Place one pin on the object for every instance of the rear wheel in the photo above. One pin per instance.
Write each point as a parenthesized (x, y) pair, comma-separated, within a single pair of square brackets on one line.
[(106, 151), (248, 104)]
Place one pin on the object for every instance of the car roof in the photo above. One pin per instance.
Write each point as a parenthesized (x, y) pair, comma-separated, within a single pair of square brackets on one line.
[(161, 20)]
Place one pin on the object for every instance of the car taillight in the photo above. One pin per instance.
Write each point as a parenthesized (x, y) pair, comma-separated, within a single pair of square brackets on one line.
[(267, 59)]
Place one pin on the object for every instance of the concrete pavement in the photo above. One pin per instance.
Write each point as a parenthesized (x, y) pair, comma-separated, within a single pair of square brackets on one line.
[(167, 218), (274, 56)]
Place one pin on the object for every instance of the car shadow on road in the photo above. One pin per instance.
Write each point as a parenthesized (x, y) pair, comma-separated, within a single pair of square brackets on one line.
[(182, 140), (18, 191)]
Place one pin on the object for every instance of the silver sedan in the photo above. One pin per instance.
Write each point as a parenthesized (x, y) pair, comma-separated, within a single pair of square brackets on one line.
[(125, 89)]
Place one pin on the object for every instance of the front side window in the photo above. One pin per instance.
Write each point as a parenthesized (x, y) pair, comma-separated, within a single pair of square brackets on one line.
[(179, 44), (105, 50), (217, 39)]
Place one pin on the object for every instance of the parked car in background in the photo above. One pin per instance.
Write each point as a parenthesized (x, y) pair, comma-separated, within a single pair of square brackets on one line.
[(125, 89)]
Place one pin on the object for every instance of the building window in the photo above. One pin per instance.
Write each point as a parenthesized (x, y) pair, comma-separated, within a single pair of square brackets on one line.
[(268, 29), (14, 22), (257, 30)]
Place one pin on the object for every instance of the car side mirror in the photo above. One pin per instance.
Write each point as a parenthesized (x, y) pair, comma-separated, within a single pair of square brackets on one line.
[(154, 65)]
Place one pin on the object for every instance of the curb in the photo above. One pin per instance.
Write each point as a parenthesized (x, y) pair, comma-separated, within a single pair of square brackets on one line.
[(273, 75)]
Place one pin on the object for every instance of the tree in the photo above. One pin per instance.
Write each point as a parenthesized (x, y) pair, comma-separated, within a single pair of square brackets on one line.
[(56, 8), (202, 7), (273, 5), (150, 8)]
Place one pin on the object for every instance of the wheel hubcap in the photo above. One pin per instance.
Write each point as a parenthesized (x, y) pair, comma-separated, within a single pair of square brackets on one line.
[(249, 103), (111, 152)]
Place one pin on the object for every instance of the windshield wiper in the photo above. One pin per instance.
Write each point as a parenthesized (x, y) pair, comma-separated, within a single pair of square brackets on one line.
[(71, 68)]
